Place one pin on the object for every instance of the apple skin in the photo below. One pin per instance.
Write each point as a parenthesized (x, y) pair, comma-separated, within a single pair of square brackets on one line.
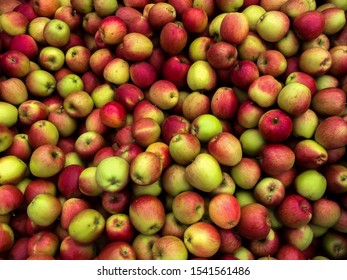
[(147, 214), (180, 64), (9, 86), (164, 94), (37, 186), (113, 114), (267, 246), (172, 226), (20, 147), (224, 103), (308, 25), (254, 223), (172, 125), (43, 242), (40, 83), (70, 208), (323, 97), (136, 46), (44, 209), (7, 238), (184, 147), (112, 30), (143, 74), (128, 95), (11, 199), (205, 127), (249, 114), (201, 76), (169, 248), (331, 132), (190, 110), (117, 250), (241, 173), (197, 235), (115, 180), (302, 77), (305, 124), (6, 137), (195, 19), (294, 211), (12, 170), (15, 64), (68, 181), (310, 184), (309, 154), (269, 191)]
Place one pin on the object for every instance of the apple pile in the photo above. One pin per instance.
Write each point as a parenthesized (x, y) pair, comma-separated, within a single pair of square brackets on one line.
[(178, 129)]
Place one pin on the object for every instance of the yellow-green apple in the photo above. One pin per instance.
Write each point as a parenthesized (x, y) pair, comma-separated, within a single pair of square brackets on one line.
[(105, 8), (222, 55), (276, 21), (251, 47), (147, 214), (161, 14), (334, 244), (11, 198), (267, 246), (309, 154), (234, 27), (331, 132), (43, 242), (86, 226), (253, 12), (305, 124), (117, 250), (56, 33), (174, 180), (11, 85), (326, 81), (311, 184), (14, 23), (229, 6), (128, 95), (99, 59), (35, 29), (46, 161), (269, 191), (69, 83), (294, 211), (271, 62), (264, 90), (325, 212), (243, 73), (224, 103), (70, 249), (227, 185), (195, 19), (198, 176), (169, 248), (78, 104), (251, 141), (42, 132), (249, 113), (205, 127), (119, 66), (335, 20), (15, 63), (77, 58), (112, 30), (163, 94), (288, 45), (6, 137), (329, 102), (275, 125), (172, 125), (20, 147), (184, 147), (224, 210), (301, 237), (115, 201), (31, 111), (145, 168), (225, 148), (151, 189), (214, 27), (136, 46), (201, 76), (143, 74), (289, 252), (322, 41), (12, 170), (243, 253), (173, 37), (188, 207), (197, 235), (142, 245), (196, 104), (335, 175), (198, 48), (162, 150), (294, 98), (308, 25), (294, 8), (44, 209), (241, 173), (145, 131), (179, 64), (303, 78), (87, 182), (7, 238), (51, 58), (315, 61), (172, 226), (40, 83), (109, 178), (102, 94), (254, 223), (119, 228)]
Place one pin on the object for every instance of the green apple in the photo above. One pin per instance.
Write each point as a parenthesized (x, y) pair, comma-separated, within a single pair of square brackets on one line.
[(201, 76), (40, 83), (251, 141), (44, 209), (205, 127), (169, 248), (143, 244), (214, 27), (253, 13), (87, 226), (204, 173), (69, 83), (244, 197), (299, 237), (246, 173), (6, 138), (154, 189), (102, 94), (57, 33), (184, 147), (117, 71), (305, 124), (12, 170), (310, 184), (112, 173), (51, 58), (105, 8), (8, 114)]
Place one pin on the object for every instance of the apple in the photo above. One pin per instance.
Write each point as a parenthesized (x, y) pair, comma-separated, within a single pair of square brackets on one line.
[(195, 19), (323, 97), (172, 125), (37, 186), (20, 147), (243, 253), (115, 201), (240, 173), (289, 252), (197, 176), (169, 248), (7, 238), (198, 48), (315, 61), (11, 199), (234, 27), (302, 77), (69, 83), (294, 211), (174, 180), (8, 19), (309, 154), (190, 110), (224, 103), (117, 250), (271, 62), (276, 21), (15, 63), (267, 246), (42, 132), (19, 249), (173, 37), (179, 64), (12, 170), (43, 242), (163, 94), (184, 147), (6, 138), (10, 85), (335, 175), (243, 73), (269, 191), (87, 183), (335, 20), (112, 30), (40, 83), (205, 127), (172, 227), (197, 235), (143, 74), (88, 143), (44, 209), (161, 149), (249, 114), (136, 46), (201, 76), (309, 25), (334, 245), (325, 212), (326, 81), (145, 168), (119, 66), (56, 32), (305, 124), (310, 184), (147, 214), (119, 228), (77, 58), (69, 249), (145, 131), (128, 95)]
